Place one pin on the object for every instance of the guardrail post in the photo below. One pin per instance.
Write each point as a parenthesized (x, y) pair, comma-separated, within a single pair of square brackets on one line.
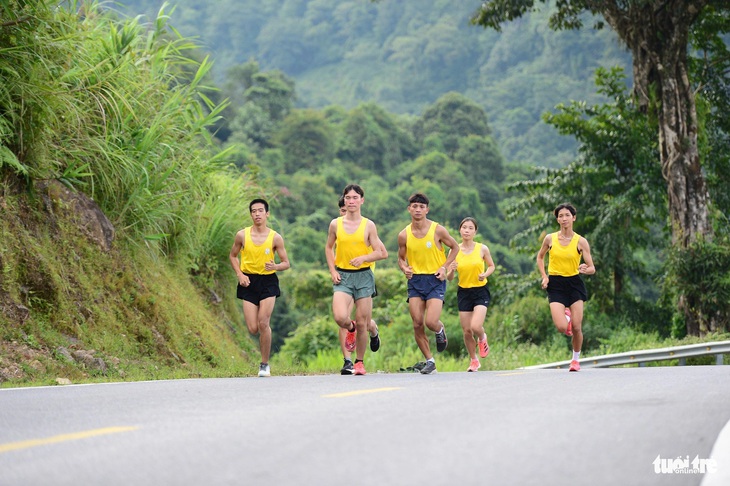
[(718, 359), (682, 361)]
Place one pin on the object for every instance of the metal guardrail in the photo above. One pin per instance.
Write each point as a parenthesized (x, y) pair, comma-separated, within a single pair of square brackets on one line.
[(719, 349)]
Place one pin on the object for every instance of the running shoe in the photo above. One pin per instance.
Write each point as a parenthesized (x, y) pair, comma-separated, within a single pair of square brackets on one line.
[(574, 366), (350, 339), (474, 365), (419, 366), (569, 331), (483, 347), (441, 340), (347, 368), (429, 368), (375, 342), (264, 370), (359, 368)]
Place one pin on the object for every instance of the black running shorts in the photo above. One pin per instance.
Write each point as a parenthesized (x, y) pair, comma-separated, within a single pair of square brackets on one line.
[(566, 290), (261, 287)]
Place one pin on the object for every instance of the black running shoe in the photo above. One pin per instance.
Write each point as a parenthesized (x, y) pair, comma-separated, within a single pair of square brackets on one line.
[(375, 342), (429, 368), (418, 366), (441, 341), (347, 368)]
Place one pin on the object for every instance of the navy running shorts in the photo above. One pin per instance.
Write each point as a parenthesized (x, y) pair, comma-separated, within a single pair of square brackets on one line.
[(426, 287)]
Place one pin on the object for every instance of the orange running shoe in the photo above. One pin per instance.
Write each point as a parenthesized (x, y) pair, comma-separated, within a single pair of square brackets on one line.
[(360, 368), (350, 339), (474, 365), (483, 347), (574, 366)]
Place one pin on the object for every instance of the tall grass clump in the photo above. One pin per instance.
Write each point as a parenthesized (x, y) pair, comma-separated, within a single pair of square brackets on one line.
[(117, 109)]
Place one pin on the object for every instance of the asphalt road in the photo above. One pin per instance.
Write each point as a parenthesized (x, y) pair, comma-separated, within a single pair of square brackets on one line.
[(542, 427)]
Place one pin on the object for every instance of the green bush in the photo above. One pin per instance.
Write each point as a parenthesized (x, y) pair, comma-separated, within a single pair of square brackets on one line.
[(526, 320)]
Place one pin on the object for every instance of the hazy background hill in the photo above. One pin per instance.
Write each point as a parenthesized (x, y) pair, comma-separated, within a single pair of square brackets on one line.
[(404, 54)]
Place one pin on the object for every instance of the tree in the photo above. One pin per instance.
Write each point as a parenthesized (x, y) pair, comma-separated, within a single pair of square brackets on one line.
[(615, 178), (268, 98), (307, 140), (373, 139), (453, 116), (483, 162), (657, 34)]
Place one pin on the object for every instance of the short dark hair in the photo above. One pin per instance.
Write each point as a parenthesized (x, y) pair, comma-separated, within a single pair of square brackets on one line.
[(567, 206), (258, 201), (353, 187), (341, 202), (418, 197), (469, 218)]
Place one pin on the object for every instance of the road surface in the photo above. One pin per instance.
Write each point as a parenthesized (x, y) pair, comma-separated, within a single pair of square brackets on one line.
[(620, 426)]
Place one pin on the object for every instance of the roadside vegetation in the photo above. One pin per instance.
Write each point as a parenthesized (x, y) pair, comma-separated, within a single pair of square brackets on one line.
[(119, 199)]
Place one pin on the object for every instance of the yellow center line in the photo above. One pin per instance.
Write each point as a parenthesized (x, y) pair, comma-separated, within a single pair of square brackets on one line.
[(511, 374), (360, 392), (25, 444)]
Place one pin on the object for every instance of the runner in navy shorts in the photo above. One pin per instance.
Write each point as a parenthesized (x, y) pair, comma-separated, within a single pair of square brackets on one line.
[(426, 286)]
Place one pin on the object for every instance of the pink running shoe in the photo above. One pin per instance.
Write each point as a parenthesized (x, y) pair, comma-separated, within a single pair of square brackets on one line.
[(569, 331), (474, 365), (574, 366), (360, 368), (350, 339), (483, 347)]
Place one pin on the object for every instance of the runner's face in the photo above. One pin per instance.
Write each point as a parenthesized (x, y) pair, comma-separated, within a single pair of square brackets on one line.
[(353, 201), (565, 218), (418, 210), (467, 230), (258, 213)]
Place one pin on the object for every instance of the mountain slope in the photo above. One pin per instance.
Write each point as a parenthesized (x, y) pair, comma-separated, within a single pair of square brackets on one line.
[(404, 54)]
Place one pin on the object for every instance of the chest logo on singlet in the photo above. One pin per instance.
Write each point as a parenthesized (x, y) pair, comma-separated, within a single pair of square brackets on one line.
[(267, 251), (428, 244)]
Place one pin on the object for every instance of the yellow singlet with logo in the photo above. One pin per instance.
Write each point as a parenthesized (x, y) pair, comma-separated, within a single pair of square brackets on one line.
[(253, 256), (351, 246), (423, 254), (564, 260), (469, 267)]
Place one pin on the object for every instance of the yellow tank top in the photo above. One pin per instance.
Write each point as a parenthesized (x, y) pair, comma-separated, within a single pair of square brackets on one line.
[(423, 254), (564, 260), (469, 267), (253, 257), (350, 246)]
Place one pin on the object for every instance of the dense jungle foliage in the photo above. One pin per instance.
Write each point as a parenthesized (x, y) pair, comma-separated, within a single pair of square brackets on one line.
[(405, 54), (127, 112)]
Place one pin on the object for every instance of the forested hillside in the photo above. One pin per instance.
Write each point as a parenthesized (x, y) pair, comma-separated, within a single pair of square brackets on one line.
[(404, 54)]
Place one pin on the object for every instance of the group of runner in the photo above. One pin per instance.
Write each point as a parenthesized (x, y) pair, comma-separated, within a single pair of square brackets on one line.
[(352, 248)]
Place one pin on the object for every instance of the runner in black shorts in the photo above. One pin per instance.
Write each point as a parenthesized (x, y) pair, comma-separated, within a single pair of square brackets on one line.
[(252, 257), (564, 286), (260, 287), (474, 264)]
